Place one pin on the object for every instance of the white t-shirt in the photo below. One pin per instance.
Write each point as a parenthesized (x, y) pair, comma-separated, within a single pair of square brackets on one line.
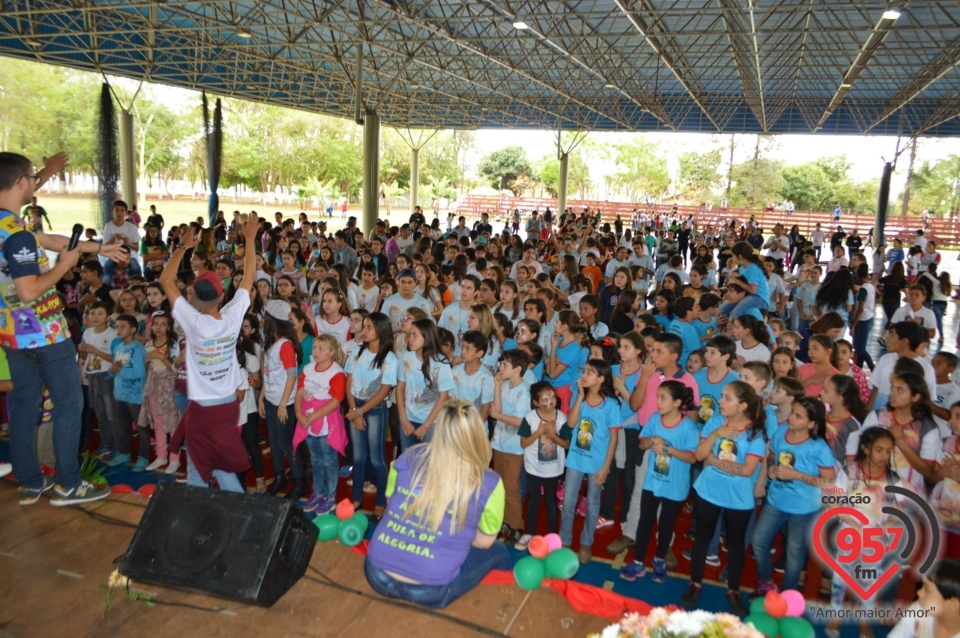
[(101, 341), (925, 315), (947, 394), (213, 371), (817, 238), (476, 388), (251, 364), (317, 386), (780, 246), (340, 330), (869, 303), (128, 231), (365, 298), (758, 352), (279, 364), (929, 448), (880, 378), (544, 457)]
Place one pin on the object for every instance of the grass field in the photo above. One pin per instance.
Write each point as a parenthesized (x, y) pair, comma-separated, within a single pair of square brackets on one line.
[(66, 210)]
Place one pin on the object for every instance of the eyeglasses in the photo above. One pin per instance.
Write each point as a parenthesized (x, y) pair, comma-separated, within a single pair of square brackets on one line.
[(36, 178), (354, 320), (405, 319)]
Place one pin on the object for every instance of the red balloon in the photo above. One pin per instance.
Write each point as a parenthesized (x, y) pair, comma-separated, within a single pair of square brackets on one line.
[(539, 547), (345, 509), (775, 604), (147, 490), (122, 488)]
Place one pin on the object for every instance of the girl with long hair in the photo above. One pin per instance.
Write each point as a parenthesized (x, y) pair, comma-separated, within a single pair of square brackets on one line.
[(305, 333), (480, 318), (371, 375), (427, 291), (822, 352), (356, 328), (624, 312), (443, 487), (568, 270), (891, 288), (801, 463), (848, 367), (590, 315), (159, 410), (510, 302), (847, 410), (732, 448), (563, 363), (836, 294), (622, 281), (249, 352), (663, 308), (281, 359), (154, 252), (334, 316), (424, 381), (673, 437), (783, 364), (753, 341)]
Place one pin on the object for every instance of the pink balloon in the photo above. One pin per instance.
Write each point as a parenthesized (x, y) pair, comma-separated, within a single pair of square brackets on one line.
[(553, 541), (795, 602)]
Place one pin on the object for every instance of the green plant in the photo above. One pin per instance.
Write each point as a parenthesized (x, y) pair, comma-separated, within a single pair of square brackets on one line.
[(120, 582), (92, 470)]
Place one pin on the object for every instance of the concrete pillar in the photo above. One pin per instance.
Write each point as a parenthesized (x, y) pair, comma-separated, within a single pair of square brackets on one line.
[(883, 201), (562, 194), (128, 167), (414, 178), (371, 171)]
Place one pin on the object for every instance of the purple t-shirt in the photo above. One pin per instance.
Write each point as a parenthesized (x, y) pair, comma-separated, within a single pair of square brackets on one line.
[(406, 547)]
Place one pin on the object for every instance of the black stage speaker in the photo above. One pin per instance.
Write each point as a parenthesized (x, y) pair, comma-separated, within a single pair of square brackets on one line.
[(248, 548)]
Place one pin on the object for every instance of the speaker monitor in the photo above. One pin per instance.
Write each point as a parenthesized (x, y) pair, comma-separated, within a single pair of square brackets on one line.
[(247, 548)]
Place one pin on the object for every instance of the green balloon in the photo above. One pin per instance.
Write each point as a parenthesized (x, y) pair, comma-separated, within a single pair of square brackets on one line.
[(795, 627), (756, 607), (764, 623), (362, 519), (562, 563), (529, 572), (328, 524), (350, 532)]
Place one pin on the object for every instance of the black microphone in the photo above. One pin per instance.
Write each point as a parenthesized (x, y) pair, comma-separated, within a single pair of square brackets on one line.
[(75, 237)]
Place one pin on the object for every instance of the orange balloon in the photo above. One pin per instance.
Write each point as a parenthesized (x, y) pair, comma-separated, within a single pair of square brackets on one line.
[(775, 604), (345, 509), (539, 547)]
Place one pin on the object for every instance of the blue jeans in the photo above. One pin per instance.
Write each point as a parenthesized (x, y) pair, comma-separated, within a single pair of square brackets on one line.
[(571, 494), (939, 309), (799, 528), (409, 440), (110, 267), (861, 336), (479, 563), (371, 444), (53, 367), (326, 467), (747, 303), (181, 400), (228, 481)]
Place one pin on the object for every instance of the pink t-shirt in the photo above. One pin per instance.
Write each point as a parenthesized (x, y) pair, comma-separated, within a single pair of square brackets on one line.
[(806, 371), (650, 394)]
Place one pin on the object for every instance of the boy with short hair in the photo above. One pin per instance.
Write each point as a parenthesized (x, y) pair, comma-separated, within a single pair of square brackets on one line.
[(915, 311), (708, 307), (534, 360), (718, 355), (96, 352), (904, 340), (683, 327), (511, 402), (592, 272), (473, 381), (128, 373)]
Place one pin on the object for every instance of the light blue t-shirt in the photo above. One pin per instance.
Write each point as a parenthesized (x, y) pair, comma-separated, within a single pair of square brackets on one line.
[(809, 457), (599, 330), (628, 415), (591, 435), (772, 421), (454, 318), (755, 275), (667, 476), (476, 388), (515, 402), (128, 382), (705, 329), (710, 393), (418, 397), (808, 297), (689, 336), (562, 282), (394, 306), (568, 355), (728, 490), (366, 379)]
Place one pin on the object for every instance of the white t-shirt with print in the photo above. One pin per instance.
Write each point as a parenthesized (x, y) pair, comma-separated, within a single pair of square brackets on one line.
[(101, 341), (213, 371)]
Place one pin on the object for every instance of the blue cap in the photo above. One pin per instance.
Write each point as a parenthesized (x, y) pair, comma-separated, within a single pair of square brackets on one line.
[(407, 272)]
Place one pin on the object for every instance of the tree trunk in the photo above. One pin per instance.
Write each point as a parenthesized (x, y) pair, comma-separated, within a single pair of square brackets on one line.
[(906, 186), (730, 170)]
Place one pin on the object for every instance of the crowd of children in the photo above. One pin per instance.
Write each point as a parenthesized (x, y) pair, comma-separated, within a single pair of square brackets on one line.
[(736, 392)]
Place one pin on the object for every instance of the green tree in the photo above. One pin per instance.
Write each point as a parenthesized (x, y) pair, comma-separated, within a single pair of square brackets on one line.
[(807, 185), (699, 175), (935, 186), (755, 182), (578, 175), (641, 172), (506, 167)]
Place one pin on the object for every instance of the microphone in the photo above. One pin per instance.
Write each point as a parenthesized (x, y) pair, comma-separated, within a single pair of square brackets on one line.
[(75, 236)]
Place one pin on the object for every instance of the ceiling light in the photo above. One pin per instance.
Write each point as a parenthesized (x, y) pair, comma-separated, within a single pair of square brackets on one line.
[(890, 14), (609, 85), (483, 108), (243, 33), (520, 26), (845, 85)]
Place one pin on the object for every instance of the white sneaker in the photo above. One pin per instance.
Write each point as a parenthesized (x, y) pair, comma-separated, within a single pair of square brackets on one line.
[(173, 467), (157, 464), (5, 468), (523, 542)]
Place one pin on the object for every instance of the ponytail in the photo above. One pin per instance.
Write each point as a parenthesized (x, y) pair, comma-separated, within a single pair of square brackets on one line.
[(755, 412), (679, 392)]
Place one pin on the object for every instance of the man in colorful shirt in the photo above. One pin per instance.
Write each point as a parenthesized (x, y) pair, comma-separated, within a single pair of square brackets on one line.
[(36, 339)]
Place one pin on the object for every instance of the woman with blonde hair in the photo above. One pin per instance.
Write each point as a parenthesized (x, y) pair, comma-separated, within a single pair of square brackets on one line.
[(451, 505), (481, 319)]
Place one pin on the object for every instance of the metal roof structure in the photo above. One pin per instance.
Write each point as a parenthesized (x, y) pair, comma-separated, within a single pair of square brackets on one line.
[(730, 66)]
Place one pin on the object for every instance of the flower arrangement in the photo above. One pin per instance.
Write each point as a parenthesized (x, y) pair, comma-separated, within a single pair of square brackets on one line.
[(664, 623)]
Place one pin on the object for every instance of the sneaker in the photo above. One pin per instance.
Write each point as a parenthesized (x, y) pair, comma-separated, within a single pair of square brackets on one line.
[(523, 542), (671, 560), (312, 503), (140, 465), (102, 452), (29, 496), (690, 533), (882, 342), (713, 561), (5, 468), (513, 537), (119, 459), (157, 464), (83, 493), (780, 564), (737, 606), (689, 598), (369, 488), (585, 554), (724, 574), (173, 467), (582, 507), (659, 570), (622, 544), (346, 471), (603, 522), (632, 571), (504, 530)]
